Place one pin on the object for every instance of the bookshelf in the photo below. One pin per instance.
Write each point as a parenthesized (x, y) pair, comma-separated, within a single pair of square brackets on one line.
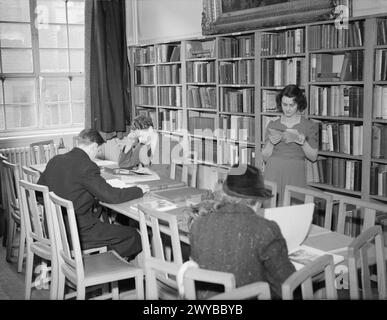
[(202, 91)]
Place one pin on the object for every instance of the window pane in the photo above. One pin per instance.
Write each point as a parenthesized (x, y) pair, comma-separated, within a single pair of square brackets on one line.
[(77, 36), (19, 91), (57, 114), (53, 36), (16, 60), (53, 60), (15, 10), (15, 35), (56, 90), (78, 113), (76, 11), (77, 59), (20, 116), (54, 11), (78, 89)]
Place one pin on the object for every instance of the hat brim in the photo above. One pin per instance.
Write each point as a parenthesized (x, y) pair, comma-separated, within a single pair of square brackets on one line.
[(253, 193)]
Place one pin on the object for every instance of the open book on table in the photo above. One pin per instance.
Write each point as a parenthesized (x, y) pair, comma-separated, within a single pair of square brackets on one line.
[(295, 223), (156, 203)]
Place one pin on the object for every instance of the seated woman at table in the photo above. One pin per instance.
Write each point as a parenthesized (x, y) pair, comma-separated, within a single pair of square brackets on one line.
[(139, 145), (230, 234)]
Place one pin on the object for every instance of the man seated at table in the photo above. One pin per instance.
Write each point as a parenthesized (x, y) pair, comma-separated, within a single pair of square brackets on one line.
[(75, 177), (230, 234)]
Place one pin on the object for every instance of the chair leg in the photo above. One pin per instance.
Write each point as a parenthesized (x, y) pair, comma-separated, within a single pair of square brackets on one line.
[(81, 292), (139, 282), (115, 291), (21, 249), (28, 279), (61, 285), (54, 281), (10, 234)]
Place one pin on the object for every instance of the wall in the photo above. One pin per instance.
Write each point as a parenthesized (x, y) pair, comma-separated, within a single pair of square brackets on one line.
[(368, 7), (162, 20)]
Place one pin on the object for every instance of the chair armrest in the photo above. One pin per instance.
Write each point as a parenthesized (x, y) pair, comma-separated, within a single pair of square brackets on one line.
[(258, 290)]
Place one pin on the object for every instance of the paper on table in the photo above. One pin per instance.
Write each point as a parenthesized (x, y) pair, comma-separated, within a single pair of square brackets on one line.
[(135, 178), (117, 183), (294, 222), (104, 163)]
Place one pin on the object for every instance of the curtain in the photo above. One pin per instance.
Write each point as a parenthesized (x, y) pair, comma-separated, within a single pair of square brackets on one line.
[(107, 75)]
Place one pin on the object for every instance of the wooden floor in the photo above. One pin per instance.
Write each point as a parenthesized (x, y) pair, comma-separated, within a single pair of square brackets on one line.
[(12, 282)]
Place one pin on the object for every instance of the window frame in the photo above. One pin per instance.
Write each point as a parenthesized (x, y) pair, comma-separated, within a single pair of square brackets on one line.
[(38, 76)]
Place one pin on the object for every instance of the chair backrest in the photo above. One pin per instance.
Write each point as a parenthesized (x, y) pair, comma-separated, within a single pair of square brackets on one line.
[(11, 178), (65, 230), (303, 278), (189, 169), (30, 175), (272, 202), (42, 151), (352, 210), (154, 260), (2, 183), (310, 197), (38, 219), (358, 255)]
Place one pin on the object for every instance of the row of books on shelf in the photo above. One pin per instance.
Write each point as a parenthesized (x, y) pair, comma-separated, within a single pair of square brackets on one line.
[(168, 53), (237, 128), (171, 120), (145, 96), (237, 100), (200, 124), (337, 172), (378, 175), (379, 110), (201, 71), (204, 150), (169, 74), (328, 36), (169, 96), (343, 138), (236, 47), (381, 65), (144, 55), (336, 101), (287, 42), (144, 75), (379, 142), (337, 67), (201, 97), (382, 32), (238, 72), (269, 103), (277, 72), (201, 49), (230, 154)]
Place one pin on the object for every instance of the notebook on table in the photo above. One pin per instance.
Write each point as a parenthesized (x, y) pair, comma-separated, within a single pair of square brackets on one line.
[(295, 223)]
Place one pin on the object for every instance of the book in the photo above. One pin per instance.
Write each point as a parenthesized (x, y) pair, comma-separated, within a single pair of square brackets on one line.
[(303, 255), (158, 204)]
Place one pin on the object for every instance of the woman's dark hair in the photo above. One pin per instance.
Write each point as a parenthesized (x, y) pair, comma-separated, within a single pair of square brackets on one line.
[(292, 91), (88, 136), (141, 122)]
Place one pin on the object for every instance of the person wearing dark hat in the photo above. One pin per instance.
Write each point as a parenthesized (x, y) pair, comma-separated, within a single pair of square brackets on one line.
[(230, 234)]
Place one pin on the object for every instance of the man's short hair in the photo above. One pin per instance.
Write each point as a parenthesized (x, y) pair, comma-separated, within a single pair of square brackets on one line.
[(89, 136), (141, 122)]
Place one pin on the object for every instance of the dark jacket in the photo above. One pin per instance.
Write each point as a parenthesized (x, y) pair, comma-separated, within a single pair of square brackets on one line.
[(74, 176), (235, 239)]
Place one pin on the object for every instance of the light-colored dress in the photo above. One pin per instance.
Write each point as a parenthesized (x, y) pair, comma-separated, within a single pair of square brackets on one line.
[(287, 162)]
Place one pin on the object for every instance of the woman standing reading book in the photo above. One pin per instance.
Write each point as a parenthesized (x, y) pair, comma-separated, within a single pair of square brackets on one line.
[(289, 140)]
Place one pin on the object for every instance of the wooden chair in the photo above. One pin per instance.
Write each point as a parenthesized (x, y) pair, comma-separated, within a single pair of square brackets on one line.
[(39, 233), (366, 209), (4, 206), (358, 255), (155, 263), (259, 290), (304, 277), (310, 197), (15, 219), (272, 202), (91, 270), (42, 151), (189, 169), (30, 175)]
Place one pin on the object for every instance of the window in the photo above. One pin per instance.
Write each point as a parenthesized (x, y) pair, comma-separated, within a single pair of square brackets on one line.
[(41, 64)]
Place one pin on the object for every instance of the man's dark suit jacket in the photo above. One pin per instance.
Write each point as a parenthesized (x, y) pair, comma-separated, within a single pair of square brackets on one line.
[(75, 177)]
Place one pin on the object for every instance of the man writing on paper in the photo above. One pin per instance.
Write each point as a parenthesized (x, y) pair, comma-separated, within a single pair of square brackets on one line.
[(75, 177)]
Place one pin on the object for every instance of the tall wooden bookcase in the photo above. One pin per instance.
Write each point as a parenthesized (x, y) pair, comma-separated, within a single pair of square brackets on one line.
[(230, 81)]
